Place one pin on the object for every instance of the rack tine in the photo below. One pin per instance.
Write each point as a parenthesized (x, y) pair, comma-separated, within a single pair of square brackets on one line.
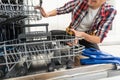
[(41, 3), (9, 2), (1, 2)]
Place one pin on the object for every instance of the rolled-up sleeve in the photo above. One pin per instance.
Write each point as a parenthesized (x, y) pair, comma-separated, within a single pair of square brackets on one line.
[(106, 24), (68, 7)]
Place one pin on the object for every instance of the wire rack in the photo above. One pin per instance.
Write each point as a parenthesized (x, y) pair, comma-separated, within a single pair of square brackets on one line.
[(14, 14), (18, 54), (45, 52), (19, 9)]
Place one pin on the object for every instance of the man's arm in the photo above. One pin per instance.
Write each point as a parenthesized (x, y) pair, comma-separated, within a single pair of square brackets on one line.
[(90, 38), (67, 8), (87, 37), (48, 14), (106, 24)]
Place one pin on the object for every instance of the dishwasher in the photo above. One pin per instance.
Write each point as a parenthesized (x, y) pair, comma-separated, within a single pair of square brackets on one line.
[(20, 50), (37, 55)]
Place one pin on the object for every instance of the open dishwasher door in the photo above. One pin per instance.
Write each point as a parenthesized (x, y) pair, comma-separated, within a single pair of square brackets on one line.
[(92, 72)]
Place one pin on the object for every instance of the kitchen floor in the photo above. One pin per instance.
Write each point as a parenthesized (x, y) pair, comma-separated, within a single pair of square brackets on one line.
[(112, 49)]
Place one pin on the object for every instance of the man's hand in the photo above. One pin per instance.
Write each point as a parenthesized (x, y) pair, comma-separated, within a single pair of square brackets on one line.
[(42, 11), (77, 33), (69, 31), (75, 42), (37, 7)]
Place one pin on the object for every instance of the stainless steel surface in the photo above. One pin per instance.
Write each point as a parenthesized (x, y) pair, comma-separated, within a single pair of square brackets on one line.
[(68, 74)]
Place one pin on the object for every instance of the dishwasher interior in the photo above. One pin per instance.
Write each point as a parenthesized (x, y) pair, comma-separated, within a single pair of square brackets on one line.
[(13, 15), (22, 52)]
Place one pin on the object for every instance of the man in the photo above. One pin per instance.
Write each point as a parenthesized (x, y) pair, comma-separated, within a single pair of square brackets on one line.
[(91, 19)]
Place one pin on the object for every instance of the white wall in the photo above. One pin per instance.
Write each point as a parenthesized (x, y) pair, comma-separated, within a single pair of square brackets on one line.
[(62, 21), (56, 22)]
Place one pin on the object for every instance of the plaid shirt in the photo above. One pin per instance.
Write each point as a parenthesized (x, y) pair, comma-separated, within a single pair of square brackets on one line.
[(101, 23)]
